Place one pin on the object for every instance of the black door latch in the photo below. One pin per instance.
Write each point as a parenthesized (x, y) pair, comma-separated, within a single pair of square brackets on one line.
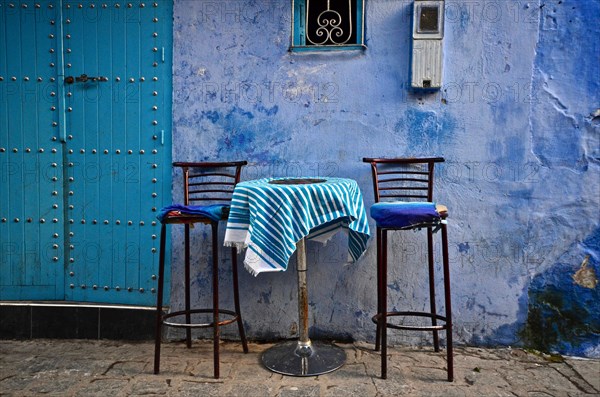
[(84, 78)]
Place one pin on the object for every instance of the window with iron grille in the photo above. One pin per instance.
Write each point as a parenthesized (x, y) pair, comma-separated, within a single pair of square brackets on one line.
[(327, 25)]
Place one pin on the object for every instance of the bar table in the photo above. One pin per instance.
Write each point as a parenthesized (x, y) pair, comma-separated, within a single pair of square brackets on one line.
[(272, 218)]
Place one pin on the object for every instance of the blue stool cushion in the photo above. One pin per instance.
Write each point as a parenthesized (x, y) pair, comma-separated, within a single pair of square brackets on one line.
[(404, 214), (215, 212)]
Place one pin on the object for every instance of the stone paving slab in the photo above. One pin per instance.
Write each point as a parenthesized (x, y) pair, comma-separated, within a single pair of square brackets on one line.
[(115, 368)]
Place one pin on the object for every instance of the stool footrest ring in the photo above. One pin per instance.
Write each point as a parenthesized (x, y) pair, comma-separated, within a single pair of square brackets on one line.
[(413, 327), (198, 325)]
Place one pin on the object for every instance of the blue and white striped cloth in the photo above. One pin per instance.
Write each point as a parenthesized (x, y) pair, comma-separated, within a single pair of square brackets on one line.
[(269, 219)]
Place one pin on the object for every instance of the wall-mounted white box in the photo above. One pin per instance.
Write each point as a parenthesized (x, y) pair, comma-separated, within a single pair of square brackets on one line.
[(428, 34)]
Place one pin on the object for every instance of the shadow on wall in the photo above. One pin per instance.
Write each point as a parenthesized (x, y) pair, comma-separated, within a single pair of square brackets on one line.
[(564, 305)]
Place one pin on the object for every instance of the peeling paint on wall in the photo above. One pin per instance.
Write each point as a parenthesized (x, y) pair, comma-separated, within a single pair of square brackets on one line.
[(586, 276), (566, 80)]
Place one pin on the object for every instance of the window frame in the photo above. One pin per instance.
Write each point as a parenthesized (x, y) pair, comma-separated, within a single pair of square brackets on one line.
[(298, 39)]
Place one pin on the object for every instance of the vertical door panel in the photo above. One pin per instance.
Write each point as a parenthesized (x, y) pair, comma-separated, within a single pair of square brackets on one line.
[(114, 148), (152, 89), (132, 134), (84, 253), (102, 163), (30, 264), (31, 217)]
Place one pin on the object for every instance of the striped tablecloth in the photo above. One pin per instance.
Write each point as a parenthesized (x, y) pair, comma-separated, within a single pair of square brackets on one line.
[(269, 219)]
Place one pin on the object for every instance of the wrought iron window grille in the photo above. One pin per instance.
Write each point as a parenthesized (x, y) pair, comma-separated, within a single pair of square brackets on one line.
[(319, 25)]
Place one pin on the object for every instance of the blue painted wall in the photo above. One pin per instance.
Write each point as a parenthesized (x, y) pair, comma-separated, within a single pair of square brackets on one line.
[(514, 119)]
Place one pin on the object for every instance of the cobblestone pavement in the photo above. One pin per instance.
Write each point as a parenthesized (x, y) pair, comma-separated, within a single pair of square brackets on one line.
[(115, 368)]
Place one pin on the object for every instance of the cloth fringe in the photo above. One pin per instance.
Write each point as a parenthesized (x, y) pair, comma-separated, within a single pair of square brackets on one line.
[(249, 269), (238, 246)]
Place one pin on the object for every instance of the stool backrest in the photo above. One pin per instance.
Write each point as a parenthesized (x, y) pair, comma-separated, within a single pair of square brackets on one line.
[(209, 182), (404, 179)]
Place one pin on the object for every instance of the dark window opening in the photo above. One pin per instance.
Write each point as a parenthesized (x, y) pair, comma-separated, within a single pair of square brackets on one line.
[(331, 22), (327, 25)]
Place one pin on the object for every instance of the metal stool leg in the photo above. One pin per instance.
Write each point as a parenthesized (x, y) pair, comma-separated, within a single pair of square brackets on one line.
[(236, 299), (159, 299), (433, 310), (448, 304), (383, 296), (188, 320), (379, 310), (215, 277)]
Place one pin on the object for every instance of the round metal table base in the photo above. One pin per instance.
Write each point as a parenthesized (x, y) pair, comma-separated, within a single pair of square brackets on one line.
[(286, 359)]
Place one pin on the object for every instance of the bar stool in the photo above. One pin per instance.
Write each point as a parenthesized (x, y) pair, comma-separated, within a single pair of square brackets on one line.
[(204, 182), (408, 183)]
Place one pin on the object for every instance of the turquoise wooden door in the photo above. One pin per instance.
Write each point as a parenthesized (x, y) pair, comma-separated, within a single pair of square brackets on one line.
[(104, 114), (31, 207)]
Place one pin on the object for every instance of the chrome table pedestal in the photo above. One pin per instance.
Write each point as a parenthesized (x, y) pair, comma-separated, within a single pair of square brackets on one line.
[(303, 357)]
